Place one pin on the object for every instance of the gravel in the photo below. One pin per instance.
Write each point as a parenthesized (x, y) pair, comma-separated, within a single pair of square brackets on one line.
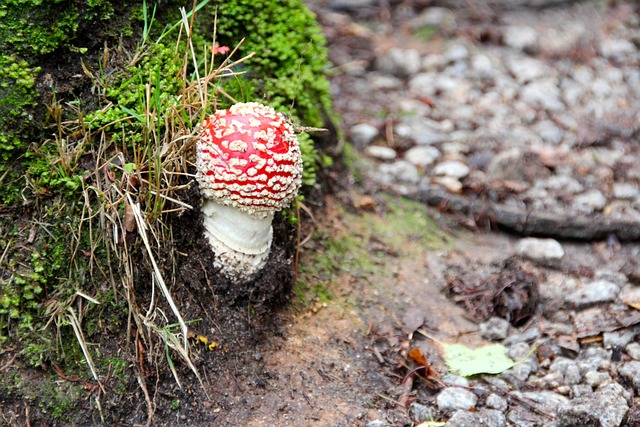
[(536, 113)]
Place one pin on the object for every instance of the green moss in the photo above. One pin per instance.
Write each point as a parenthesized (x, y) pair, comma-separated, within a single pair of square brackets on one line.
[(289, 69), (17, 97)]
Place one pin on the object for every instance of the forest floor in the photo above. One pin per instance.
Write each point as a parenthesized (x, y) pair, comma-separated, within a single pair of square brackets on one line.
[(473, 126)]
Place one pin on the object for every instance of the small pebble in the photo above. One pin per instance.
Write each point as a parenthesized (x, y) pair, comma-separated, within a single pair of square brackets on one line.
[(545, 251), (495, 329), (453, 398)]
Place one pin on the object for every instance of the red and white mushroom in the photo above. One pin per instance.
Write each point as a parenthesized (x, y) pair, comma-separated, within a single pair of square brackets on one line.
[(249, 166)]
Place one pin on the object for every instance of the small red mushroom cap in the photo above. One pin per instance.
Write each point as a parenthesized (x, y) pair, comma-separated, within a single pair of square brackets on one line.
[(248, 156)]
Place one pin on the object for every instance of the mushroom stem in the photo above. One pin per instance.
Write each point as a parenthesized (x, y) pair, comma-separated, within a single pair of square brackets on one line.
[(240, 240)]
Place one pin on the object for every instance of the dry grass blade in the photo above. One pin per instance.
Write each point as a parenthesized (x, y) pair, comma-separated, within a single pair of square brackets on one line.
[(77, 329), (142, 228)]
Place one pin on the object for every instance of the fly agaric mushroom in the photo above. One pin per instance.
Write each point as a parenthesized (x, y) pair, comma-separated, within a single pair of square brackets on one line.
[(249, 166)]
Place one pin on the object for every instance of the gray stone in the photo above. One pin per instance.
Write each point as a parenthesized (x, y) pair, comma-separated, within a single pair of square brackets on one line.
[(522, 417), (549, 132), (350, 4), (528, 335), (439, 17), (495, 329), (616, 277), (495, 401), (451, 184), (633, 350), (484, 417), (381, 153), (526, 69), (552, 380), (625, 190), (619, 338), (422, 156), (363, 134), (594, 378), (456, 52), (520, 37), (580, 390), (607, 407), (542, 94), (557, 286), (450, 379), (453, 168), (544, 251), (572, 375), (376, 423), (630, 294), (590, 201), (563, 183), (399, 171), (422, 131), (631, 372), (420, 413), (453, 398), (482, 64), (616, 48), (593, 292), (546, 401), (400, 62), (381, 81)]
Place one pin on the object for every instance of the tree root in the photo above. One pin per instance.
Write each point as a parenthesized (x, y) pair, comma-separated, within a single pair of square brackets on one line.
[(533, 223)]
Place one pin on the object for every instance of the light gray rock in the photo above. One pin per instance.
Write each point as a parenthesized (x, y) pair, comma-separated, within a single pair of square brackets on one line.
[(484, 417), (549, 132), (456, 52), (438, 17), (616, 48), (420, 413), (495, 329), (544, 251), (607, 407), (633, 350), (625, 190), (525, 69), (453, 168), (363, 134), (422, 156), (528, 335), (453, 398), (399, 62), (399, 171), (547, 401), (376, 423), (593, 292), (543, 94), (594, 378), (520, 37), (421, 131), (572, 375), (563, 183), (580, 390), (590, 201), (482, 65), (631, 372), (619, 338), (455, 380), (495, 401), (381, 153)]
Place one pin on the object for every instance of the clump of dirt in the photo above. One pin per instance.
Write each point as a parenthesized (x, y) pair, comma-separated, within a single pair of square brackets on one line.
[(507, 289)]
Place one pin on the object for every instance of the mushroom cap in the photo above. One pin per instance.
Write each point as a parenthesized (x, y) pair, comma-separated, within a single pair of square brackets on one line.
[(248, 157)]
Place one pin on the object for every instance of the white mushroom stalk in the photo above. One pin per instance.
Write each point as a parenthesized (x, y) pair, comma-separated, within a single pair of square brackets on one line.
[(249, 166)]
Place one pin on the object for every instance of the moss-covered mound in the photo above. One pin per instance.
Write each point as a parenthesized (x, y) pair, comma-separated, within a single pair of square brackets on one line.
[(99, 104)]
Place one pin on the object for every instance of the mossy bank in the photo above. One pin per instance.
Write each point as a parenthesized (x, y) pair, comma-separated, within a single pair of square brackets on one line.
[(99, 102)]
